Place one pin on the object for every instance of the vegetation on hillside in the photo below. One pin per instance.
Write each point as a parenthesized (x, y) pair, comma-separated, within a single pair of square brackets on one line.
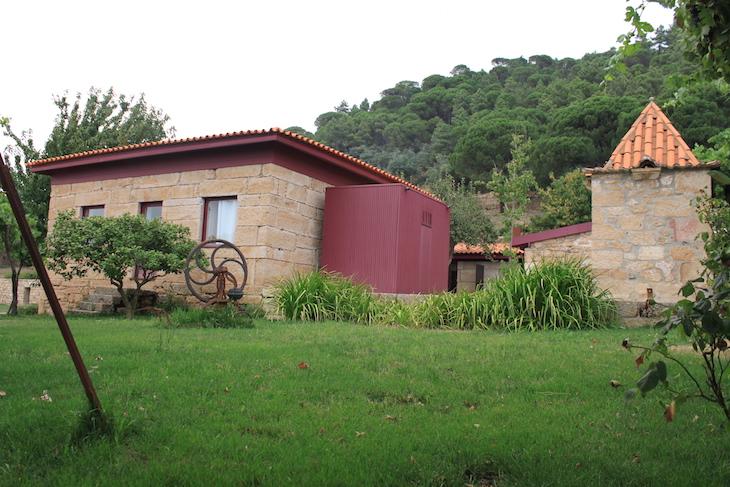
[(464, 123)]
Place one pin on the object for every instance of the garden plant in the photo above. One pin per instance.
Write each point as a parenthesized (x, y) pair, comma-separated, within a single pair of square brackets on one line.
[(702, 321)]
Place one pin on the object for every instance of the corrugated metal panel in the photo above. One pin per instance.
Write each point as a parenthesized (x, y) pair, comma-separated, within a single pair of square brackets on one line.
[(393, 238)]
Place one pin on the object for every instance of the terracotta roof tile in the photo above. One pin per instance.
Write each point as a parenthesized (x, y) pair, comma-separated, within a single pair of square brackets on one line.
[(495, 248), (273, 130), (651, 140)]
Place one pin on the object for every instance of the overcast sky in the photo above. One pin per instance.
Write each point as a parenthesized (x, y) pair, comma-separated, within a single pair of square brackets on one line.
[(224, 66)]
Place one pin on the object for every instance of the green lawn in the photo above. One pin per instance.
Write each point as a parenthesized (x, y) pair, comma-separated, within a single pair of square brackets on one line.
[(373, 406)]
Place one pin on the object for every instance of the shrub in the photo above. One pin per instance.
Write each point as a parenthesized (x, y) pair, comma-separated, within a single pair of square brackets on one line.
[(28, 309), (26, 274), (559, 293), (551, 295), (322, 296), (228, 316)]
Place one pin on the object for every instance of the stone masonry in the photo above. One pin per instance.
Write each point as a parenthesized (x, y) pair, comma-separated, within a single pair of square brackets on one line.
[(569, 246), (645, 231), (279, 219)]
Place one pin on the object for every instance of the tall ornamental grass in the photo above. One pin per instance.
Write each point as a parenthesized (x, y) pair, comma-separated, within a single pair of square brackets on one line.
[(560, 293), (555, 294), (323, 296)]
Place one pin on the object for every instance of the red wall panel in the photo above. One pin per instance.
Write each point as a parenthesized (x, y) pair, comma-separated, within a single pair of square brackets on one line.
[(391, 237)]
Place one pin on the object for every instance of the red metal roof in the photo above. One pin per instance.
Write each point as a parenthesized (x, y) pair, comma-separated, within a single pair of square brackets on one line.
[(652, 140), (78, 159)]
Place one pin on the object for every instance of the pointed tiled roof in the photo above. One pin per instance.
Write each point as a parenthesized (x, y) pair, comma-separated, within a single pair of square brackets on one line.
[(651, 141)]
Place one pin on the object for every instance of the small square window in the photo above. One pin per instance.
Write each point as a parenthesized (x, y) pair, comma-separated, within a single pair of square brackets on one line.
[(151, 210), (87, 211), (219, 220)]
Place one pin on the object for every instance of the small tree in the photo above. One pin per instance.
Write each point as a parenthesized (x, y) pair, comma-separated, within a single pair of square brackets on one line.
[(13, 248), (120, 248), (513, 188), (469, 222), (566, 202), (703, 317)]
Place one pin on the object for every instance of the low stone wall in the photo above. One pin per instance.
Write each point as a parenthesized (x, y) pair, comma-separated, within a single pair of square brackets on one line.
[(576, 245), (30, 291)]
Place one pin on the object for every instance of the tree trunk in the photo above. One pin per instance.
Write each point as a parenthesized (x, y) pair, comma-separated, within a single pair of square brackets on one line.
[(15, 272), (128, 308)]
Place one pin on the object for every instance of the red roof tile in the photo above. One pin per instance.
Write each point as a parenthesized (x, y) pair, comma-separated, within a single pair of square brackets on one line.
[(275, 130), (495, 248), (652, 140)]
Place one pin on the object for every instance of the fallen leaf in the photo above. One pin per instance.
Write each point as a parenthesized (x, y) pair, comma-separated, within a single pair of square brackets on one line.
[(615, 383), (357, 433), (2, 393), (226, 390), (669, 413), (99, 357), (639, 360), (303, 365), (636, 458)]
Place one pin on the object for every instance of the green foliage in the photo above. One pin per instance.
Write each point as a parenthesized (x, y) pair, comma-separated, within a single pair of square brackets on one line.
[(513, 188), (468, 117), (702, 319), (13, 248), (469, 222), (557, 294), (703, 26), (554, 294), (323, 296), (105, 120), (120, 248), (228, 316), (566, 202)]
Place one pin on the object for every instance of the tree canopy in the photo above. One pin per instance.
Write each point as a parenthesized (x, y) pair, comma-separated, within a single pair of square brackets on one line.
[(462, 123), (121, 248), (102, 120)]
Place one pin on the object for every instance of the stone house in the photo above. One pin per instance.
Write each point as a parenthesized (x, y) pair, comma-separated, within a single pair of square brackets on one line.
[(262, 190), (642, 240)]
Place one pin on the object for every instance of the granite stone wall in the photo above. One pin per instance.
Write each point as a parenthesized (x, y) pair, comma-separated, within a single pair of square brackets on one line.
[(645, 227), (279, 219)]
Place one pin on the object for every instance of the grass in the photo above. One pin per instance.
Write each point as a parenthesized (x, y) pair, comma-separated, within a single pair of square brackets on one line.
[(333, 404)]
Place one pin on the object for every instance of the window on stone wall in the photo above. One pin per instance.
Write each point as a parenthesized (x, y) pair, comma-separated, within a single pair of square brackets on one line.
[(219, 219), (96, 210), (151, 210)]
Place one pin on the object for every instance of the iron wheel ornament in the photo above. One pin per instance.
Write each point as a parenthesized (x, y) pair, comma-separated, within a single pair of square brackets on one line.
[(225, 268)]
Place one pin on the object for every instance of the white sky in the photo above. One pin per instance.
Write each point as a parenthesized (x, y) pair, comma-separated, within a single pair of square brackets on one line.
[(225, 65)]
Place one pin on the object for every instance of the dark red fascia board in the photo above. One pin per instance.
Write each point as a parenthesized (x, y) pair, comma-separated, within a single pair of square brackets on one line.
[(190, 155), (523, 241)]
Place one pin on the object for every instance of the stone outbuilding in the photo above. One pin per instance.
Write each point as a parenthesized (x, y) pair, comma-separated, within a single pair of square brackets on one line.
[(262, 190), (643, 238)]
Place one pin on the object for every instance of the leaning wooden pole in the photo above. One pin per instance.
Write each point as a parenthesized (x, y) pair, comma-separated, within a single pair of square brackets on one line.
[(6, 179)]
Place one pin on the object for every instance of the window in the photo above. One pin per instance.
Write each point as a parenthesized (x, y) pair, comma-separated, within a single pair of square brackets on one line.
[(87, 211), (219, 220), (151, 210)]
